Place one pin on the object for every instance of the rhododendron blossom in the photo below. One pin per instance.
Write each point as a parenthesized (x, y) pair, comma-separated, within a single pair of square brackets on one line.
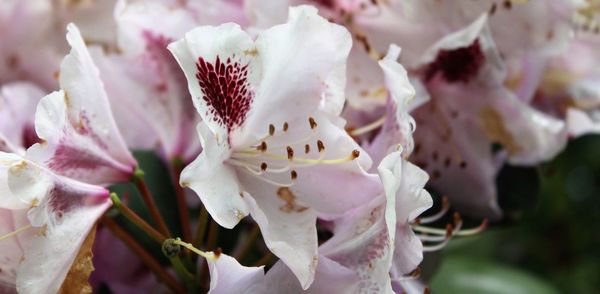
[(298, 146)]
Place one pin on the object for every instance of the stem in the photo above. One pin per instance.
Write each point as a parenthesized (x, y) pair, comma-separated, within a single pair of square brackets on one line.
[(184, 216), (201, 230), (249, 242), (136, 219), (183, 273), (138, 180), (146, 258)]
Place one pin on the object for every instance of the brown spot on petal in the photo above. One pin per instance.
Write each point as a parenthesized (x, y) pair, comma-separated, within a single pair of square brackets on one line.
[(81, 269), (289, 198), (493, 125)]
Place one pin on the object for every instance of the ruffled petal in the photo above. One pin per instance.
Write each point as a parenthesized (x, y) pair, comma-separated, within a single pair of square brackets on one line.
[(80, 136), (289, 230), (227, 275), (215, 183)]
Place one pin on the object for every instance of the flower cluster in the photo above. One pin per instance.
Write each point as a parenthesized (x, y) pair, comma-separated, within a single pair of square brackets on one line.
[(307, 129)]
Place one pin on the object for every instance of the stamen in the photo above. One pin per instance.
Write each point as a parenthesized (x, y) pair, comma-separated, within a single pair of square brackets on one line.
[(437, 216), (290, 153), (262, 147), (285, 126), (264, 179), (271, 130), (320, 146), (430, 248), (263, 166), (415, 274), (294, 175), (468, 232), (312, 122), (306, 149), (245, 154), (207, 255), (365, 129), (16, 232)]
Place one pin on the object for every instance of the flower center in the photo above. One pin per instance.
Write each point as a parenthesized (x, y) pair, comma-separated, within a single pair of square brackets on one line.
[(225, 90), (457, 65), (276, 154)]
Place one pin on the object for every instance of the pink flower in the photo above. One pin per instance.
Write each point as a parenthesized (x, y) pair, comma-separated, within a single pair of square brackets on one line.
[(45, 218), (18, 101), (79, 136), (273, 146)]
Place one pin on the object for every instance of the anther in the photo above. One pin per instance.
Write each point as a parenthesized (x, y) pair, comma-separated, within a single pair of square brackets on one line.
[(449, 230), (218, 252), (456, 219), (285, 126), (306, 148), (263, 166), (271, 130), (294, 175), (262, 147), (312, 122), (320, 146), (416, 273), (290, 153), (355, 154)]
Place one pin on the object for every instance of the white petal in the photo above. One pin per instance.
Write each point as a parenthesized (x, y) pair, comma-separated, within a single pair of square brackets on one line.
[(225, 42), (289, 230), (77, 125), (227, 275), (48, 257), (330, 277), (215, 183)]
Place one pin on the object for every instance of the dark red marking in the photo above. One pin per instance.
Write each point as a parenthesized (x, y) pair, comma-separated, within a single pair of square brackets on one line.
[(457, 65), (225, 90)]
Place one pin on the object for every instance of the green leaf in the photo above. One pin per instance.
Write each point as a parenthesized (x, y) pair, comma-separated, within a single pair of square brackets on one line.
[(468, 275)]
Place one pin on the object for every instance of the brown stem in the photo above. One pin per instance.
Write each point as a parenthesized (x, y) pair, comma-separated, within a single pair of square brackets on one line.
[(146, 257), (136, 219), (184, 216), (139, 182)]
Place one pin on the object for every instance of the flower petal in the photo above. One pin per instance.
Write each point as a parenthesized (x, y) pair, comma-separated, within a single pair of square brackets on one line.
[(17, 105), (77, 125), (215, 183), (289, 230), (227, 275)]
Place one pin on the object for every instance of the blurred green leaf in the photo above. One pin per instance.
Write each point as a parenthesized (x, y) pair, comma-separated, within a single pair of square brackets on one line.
[(468, 275)]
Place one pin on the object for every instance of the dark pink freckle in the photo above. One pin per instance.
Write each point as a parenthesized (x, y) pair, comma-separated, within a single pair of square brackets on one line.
[(224, 88), (457, 65)]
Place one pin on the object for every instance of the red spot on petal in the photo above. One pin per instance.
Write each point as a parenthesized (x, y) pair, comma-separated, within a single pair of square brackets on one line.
[(225, 90), (457, 65)]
